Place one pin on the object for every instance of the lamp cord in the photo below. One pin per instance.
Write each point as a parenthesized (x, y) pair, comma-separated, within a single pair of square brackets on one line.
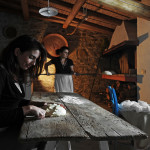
[(48, 3)]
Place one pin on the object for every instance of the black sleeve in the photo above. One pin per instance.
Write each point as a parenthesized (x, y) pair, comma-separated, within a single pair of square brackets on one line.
[(8, 117), (53, 61), (70, 62), (24, 102)]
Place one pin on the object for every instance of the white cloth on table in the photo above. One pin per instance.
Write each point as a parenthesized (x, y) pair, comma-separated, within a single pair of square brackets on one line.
[(64, 83), (137, 114), (139, 106)]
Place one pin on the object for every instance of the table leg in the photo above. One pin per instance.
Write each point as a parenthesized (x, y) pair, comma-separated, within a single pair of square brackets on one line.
[(103, 145), (69, 145), (63, 145)]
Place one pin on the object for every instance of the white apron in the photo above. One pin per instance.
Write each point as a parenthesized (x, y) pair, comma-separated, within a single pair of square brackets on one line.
[(64, 83)]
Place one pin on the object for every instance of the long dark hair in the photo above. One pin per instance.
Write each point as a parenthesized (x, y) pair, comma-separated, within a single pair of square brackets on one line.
[(24, 43), (58, 51)]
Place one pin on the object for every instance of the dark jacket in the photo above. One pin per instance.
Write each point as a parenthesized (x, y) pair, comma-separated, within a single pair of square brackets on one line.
[(11, 101)]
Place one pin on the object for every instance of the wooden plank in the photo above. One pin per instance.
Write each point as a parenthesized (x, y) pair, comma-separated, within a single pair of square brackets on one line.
[(52, 128), (121, 77), (24, 131), (9, 5), (65, 8), (90, 19), (86, 26), (45, 96), (130, 6), (98, 16), (121, 46), (107, 10), (74, 11), (98, 123), (25, 9)]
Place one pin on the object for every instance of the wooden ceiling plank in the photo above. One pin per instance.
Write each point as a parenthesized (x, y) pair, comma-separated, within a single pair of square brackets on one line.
[(63, 17), (87, 26), (25, 9), (7, 10), (108, 25), (82, 26), (9, 5), (63, 6), (94, 6), (107, 10), (95, 20), (90, 19), (128, 6), (75, 9), (60, 16), (61, 20)]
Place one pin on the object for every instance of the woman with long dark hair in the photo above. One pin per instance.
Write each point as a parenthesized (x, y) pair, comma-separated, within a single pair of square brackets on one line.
[(64, 70), (23, 57)]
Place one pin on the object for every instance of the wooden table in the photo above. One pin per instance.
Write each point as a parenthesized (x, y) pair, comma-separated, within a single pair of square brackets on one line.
[(84, 120)]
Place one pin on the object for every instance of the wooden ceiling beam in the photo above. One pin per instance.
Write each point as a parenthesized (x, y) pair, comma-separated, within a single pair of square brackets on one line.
[(90, 19), (60, 19), (25, 9), (7, 10), (60, 5), (9, 5), (96, 18), (110, 28), (17, 7), (107, 10), (103, 18), (74, 24), (128, 6), (74, 11)]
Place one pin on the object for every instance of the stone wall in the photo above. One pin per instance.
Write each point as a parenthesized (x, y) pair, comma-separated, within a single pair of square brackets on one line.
[(85, 50)]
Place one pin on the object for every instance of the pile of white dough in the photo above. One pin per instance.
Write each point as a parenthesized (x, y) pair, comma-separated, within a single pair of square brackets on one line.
[(55, 110)]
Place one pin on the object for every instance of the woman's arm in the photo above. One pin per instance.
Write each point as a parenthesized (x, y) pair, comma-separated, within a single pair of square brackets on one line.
[(72, 69), (38, 104), (46, 66), (11, 114)]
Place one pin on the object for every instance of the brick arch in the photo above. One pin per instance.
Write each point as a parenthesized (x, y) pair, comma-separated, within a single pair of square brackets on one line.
[(52, 42)]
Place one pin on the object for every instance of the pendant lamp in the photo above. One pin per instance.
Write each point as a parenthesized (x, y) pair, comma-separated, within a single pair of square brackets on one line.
[(48, 11)]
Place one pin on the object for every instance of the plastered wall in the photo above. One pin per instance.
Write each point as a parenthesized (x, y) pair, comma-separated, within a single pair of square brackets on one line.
[(143, 58)]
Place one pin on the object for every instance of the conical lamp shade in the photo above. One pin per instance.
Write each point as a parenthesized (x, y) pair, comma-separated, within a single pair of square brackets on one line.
[(48, 11)]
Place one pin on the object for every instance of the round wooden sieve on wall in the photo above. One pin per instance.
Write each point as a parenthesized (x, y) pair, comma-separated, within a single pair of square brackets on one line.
[(52, 42)]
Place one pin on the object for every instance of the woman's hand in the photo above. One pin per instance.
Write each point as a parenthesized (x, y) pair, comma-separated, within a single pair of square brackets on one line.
[(33, 110), (76, 73), (47, 73)]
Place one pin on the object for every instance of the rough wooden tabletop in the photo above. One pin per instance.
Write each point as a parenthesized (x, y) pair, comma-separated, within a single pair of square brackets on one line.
[(84, 120)]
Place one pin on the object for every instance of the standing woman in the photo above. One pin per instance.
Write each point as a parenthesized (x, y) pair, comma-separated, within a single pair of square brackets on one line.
[(64, 70), (23, 57)]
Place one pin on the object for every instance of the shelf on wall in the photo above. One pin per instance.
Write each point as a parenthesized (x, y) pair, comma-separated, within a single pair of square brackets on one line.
[(121, 77), (121, 46)]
